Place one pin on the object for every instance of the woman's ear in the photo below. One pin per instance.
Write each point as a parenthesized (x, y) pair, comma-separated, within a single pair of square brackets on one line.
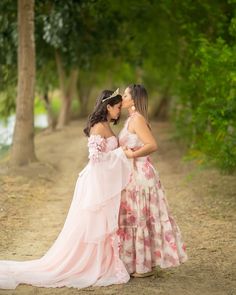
[(108, 107)]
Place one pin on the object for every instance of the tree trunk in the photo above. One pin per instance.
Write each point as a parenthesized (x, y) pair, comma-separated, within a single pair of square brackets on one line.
[(67, 91), (162, 111), (139, 75), (23, 139), (83, 100), (50, 117)]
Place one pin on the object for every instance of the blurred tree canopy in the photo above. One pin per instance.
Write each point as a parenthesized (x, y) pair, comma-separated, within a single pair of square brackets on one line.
[(183, 51)]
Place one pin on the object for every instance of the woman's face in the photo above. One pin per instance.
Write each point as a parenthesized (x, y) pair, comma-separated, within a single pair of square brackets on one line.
[(127, 100), (114, 111)]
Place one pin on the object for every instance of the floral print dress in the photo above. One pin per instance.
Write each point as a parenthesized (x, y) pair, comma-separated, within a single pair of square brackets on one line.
[(149, 236)]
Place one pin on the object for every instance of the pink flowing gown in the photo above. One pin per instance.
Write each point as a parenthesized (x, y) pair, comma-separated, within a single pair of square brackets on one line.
[(86, 251)]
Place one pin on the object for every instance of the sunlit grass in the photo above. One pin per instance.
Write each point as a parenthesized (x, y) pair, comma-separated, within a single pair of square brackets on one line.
[(4, 150)]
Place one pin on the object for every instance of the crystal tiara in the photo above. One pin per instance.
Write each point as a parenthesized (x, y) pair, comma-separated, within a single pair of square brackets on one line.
[(115, 93)]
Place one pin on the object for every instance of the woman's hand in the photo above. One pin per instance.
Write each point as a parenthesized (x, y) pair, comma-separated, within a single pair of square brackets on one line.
[(129, 153)]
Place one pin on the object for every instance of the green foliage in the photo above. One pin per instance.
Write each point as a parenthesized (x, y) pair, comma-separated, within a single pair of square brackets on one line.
[(8, 49), (205, 111), (56, 104), (184, 50), (39, 106), (7, 103)]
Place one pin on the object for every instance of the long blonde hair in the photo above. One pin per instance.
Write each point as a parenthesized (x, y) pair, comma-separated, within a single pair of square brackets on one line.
[(140, 97)]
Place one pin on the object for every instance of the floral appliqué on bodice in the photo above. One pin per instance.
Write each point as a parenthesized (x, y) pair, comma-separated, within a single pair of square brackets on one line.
[(98, 145)]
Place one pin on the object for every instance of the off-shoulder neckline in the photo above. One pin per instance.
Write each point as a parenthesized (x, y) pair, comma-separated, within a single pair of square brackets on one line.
[(105, 138)]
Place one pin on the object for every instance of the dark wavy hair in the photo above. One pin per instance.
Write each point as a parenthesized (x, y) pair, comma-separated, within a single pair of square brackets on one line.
[(100, 111)]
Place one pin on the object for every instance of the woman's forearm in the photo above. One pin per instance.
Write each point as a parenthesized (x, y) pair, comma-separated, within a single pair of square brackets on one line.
[(145, 150)]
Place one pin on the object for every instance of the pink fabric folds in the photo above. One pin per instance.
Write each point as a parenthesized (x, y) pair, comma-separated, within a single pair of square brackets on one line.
[(86, 251)]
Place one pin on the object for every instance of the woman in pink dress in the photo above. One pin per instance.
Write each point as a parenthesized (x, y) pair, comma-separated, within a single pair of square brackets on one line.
[(86, 251), (149, 235)]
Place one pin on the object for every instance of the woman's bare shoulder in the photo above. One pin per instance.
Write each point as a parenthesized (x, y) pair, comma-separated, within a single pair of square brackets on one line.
[(138, 118), (98, 129)]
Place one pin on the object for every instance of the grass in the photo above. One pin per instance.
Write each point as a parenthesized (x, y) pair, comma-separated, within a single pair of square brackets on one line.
[(4, 149), (39, 105)]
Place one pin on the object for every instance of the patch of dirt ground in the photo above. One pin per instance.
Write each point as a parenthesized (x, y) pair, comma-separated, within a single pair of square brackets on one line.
[(34, 202)]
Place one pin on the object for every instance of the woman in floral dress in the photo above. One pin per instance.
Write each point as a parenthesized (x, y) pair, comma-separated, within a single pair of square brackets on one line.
[(149, 235)]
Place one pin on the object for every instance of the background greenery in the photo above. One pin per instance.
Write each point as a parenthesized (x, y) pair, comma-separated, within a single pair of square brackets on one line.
[(184, 52)]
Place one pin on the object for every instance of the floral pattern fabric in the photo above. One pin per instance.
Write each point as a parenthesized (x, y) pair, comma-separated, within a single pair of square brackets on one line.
[(149, 235)]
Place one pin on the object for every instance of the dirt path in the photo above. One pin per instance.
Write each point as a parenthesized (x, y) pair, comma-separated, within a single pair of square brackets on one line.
[(34, 202)]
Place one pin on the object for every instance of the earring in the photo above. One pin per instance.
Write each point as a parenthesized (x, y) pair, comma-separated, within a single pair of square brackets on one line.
[(133, 108)]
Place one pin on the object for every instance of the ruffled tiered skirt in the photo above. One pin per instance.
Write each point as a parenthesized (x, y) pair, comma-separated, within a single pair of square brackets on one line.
[(149, 234)]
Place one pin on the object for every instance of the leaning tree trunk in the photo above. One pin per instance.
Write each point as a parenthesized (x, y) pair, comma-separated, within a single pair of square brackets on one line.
[(83, 98), (67, 91), (50, 117), (23, 139), (162, 110), (84, 88)]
